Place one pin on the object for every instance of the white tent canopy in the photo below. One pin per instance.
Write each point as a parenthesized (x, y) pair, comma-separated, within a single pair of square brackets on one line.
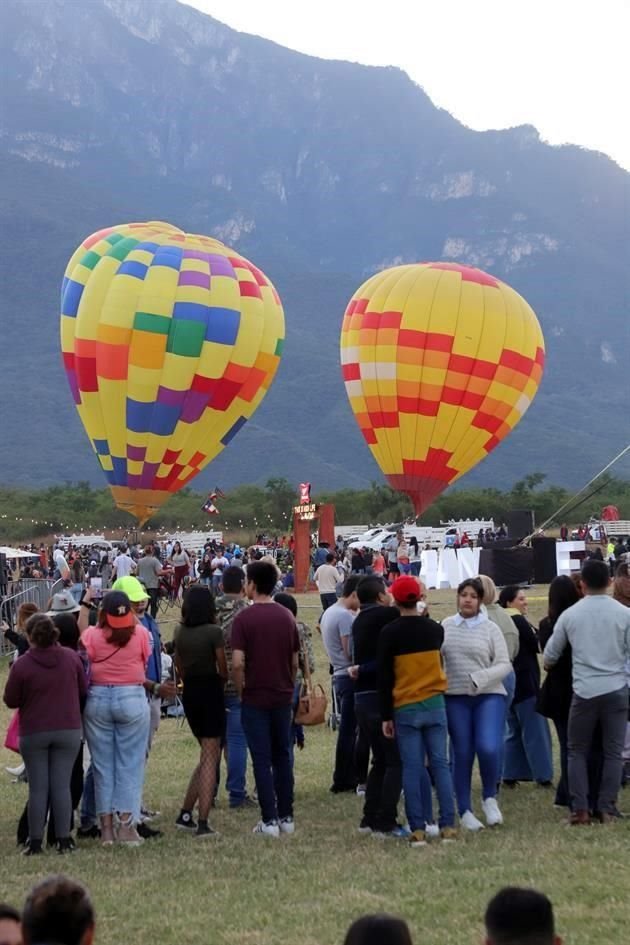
[(16, 553)]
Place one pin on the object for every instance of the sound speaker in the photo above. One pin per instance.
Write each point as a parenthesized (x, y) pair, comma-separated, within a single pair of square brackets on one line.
[(507, 565), (545, 564), (520, 523), (3, 575)]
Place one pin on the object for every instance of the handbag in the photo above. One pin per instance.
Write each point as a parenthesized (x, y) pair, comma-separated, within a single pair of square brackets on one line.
[(12, 738), (312, 702)]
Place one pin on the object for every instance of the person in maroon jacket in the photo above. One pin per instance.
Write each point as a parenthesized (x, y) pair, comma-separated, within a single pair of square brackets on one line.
[(47, 685)]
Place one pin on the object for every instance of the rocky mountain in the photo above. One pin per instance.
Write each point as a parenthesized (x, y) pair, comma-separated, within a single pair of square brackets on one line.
[(319, 171)]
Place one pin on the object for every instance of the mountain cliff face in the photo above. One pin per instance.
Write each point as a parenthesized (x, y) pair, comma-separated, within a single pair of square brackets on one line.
[(321, 172)]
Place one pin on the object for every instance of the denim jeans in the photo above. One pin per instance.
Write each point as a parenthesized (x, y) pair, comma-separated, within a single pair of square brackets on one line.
[(327, 600), (154, 596), (475, 724), (611, 711), (345, 775), (527, 744), (268, 733), (88, 800), (116, 721), (236, 745), (509, 684), (77, 591), (384, 782), (420, 732)]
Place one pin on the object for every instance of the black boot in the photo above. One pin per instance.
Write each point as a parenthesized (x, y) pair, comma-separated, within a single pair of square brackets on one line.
[(33, 848), (65, 845)]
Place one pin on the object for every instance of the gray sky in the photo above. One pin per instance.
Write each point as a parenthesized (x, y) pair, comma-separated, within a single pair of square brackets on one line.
[(561, 65)]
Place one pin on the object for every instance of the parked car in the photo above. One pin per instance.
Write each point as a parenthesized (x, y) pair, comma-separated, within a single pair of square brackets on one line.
[(374, 538)]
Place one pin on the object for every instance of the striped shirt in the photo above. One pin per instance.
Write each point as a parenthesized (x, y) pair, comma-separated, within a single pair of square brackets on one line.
[(475, 656)]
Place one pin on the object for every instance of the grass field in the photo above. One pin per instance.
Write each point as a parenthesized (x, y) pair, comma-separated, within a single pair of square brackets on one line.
[(245, 890)]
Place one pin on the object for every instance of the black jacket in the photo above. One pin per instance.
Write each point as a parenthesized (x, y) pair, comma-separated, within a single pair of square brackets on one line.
[(526, 665), (554, 700), (366, 631)]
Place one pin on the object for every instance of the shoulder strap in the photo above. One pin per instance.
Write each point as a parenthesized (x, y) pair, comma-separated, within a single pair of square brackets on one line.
[(306, 664)]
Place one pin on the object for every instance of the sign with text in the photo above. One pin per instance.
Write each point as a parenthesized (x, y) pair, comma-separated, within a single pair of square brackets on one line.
[(306, 512)]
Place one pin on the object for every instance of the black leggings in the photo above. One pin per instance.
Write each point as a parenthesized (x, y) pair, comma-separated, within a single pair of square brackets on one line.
[(76, 790)]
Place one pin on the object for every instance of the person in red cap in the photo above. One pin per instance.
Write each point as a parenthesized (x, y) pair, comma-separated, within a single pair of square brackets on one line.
[(412, 684), (117, 716)]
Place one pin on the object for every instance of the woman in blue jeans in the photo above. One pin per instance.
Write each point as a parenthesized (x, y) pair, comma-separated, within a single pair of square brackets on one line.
[(476, 662), (527, 742), (117, 716)]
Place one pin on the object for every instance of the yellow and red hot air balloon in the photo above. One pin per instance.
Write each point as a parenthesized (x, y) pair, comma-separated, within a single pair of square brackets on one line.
[(440, 362), (170, 341)]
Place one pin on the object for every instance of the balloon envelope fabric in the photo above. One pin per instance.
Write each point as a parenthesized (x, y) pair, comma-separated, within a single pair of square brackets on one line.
[(440, 362), (170, 341)]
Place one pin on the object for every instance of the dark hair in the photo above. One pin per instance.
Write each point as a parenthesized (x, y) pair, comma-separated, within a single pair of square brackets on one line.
[(350, 585), (369, 588), (198, 606), (233, 580), (518, 916), (288, 601), (7, 912), (595, 574), (622, 570), (330, 557), (263, 575), (562, 594), (476, 585), (508, 594), (41, 631), (25, 611), (77, 570), (57, 910), (68, 629), (179, 545), (378, 930)]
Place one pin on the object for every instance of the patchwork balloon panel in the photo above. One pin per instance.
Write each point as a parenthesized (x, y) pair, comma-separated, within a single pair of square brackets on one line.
[(440, 362), (170, 341)]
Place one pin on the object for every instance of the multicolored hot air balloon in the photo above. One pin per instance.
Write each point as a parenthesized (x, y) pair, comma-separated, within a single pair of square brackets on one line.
[(170, 341), (440, 362)]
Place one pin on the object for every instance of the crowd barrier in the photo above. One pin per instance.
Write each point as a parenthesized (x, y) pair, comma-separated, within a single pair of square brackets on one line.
[(28, 590)]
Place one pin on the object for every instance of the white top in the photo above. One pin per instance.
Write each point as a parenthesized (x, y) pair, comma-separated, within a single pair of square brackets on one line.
[(475, 656), (60, 562), (219, 564), (124, 566), (327, 578)]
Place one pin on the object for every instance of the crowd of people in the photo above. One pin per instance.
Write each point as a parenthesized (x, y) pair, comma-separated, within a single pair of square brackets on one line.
[(417, 701), (411, 691), (59, 910)]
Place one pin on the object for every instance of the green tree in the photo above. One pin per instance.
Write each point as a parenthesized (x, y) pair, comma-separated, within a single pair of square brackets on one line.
[(280, 497)]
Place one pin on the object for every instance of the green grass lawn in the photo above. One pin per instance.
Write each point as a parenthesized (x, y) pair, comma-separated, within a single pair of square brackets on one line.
[(245, 890)]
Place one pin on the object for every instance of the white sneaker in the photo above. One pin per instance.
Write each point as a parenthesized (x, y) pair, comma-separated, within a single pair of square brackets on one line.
[(432, 831), (469, 822), (287, 825), (361, 790), (16, 772), (491, 812), (268, 830)]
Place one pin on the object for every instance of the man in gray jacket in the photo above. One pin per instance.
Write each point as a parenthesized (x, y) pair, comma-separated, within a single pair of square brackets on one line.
[(598, 630)]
